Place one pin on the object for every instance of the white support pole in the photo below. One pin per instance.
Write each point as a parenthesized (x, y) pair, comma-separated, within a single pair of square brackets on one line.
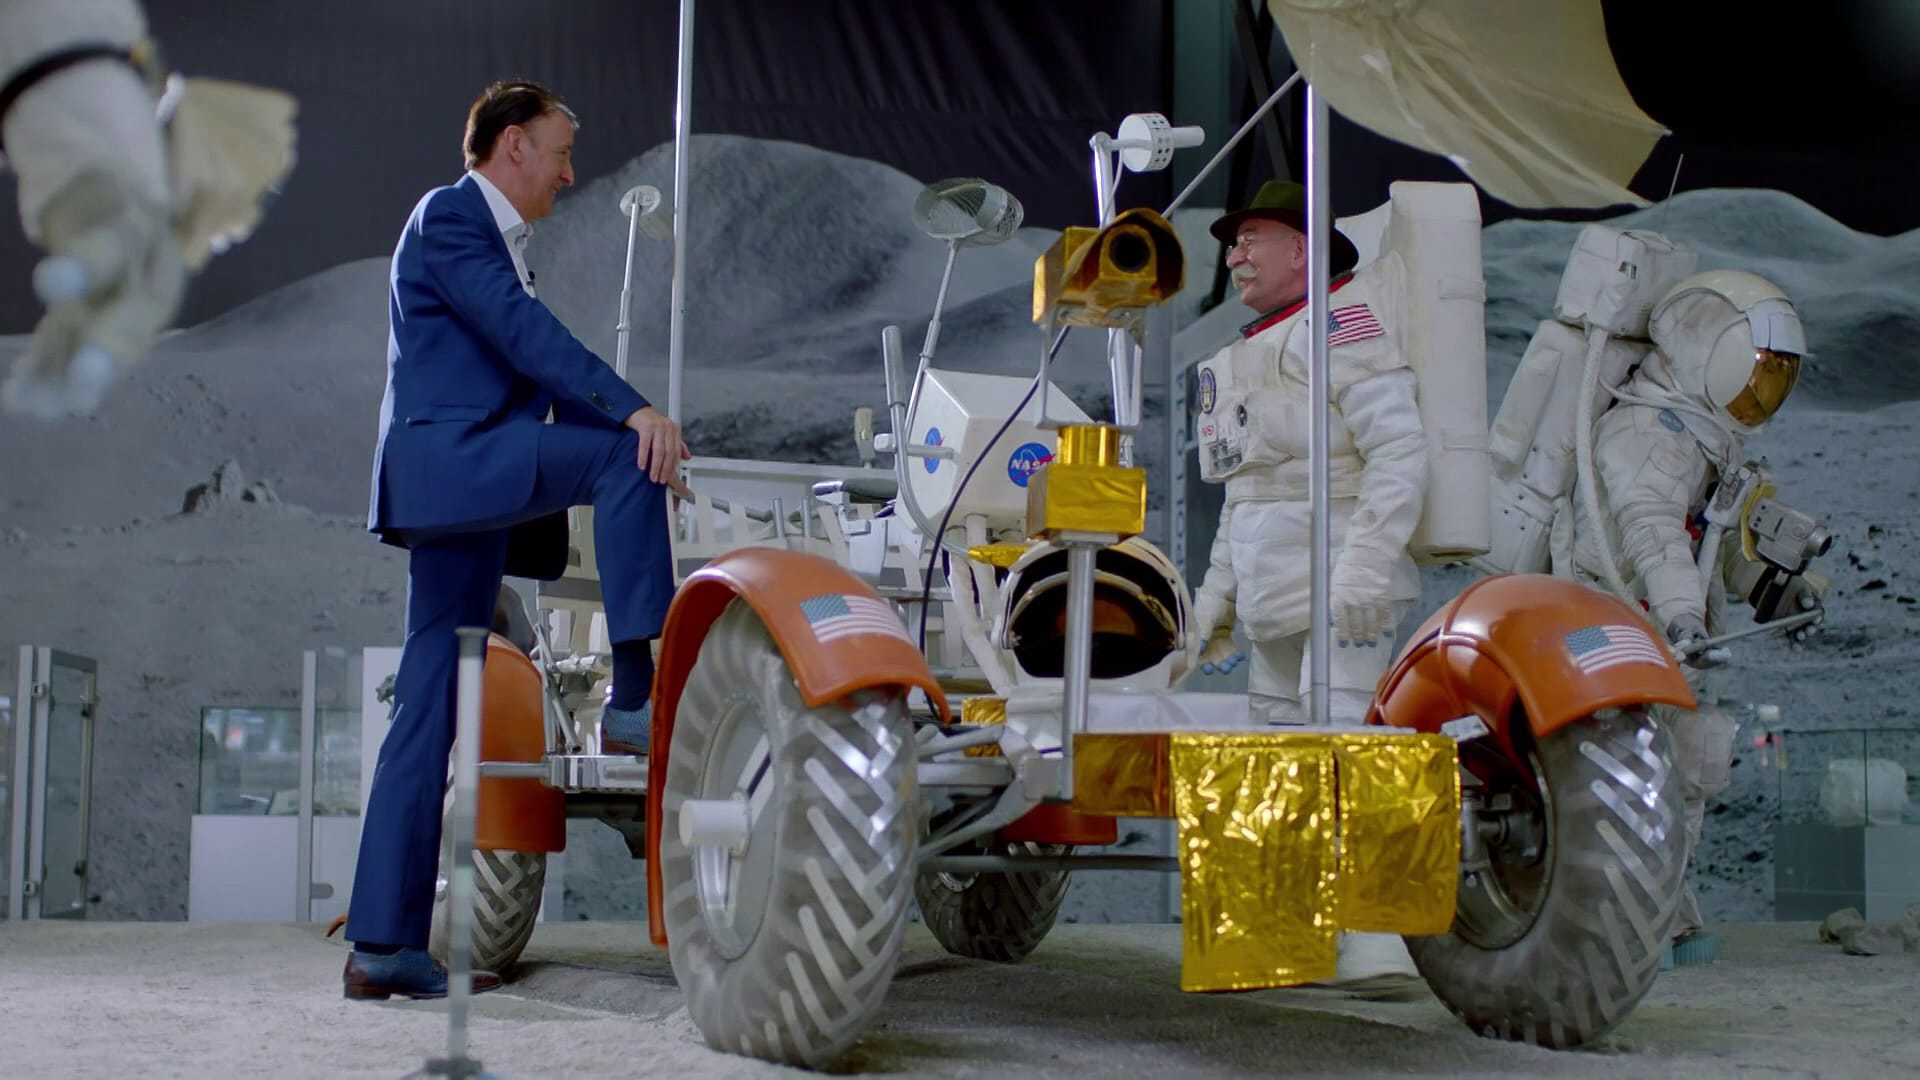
[(1318, 237), (303, 835), (623, 329), (467, 706), (682, 124)]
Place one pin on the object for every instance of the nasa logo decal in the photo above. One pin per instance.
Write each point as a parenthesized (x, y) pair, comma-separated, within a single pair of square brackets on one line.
[(1025, 461), (1671, 422), (932, 439), (1206, 390)]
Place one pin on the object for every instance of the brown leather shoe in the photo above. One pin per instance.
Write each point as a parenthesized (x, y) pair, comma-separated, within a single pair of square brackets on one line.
[(410, 973)]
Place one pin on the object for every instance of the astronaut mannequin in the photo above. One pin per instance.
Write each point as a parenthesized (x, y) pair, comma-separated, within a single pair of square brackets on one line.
[(1727, 348), (129, 179), (1253, 432)]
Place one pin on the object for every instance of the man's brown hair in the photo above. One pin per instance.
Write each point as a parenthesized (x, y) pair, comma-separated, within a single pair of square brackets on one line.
[(503, 105)]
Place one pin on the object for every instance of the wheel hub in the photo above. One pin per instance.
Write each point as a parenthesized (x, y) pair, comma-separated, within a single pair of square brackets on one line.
[(1506, 833), (733, 872)]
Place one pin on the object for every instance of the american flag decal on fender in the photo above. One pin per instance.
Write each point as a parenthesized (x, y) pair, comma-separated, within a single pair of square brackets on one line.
[(1597, 648), (837, 615), (1352, 323)]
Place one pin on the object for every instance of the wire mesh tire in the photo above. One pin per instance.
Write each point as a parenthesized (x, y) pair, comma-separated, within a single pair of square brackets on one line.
[(507, 887), (995, 916), (1555, 944), (786, 946)]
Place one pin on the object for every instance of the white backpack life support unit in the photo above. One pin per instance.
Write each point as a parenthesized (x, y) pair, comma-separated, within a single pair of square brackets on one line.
[(1435, 230), (1586, 352), (1428, 270)]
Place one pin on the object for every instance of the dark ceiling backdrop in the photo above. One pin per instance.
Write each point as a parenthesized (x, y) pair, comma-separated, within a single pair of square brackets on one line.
[(1819, 100), (1009, 89)]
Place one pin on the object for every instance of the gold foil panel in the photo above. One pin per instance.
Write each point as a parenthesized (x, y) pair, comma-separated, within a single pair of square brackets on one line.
[(1000, 555), (983, 710), (1256, 815), (1087, 499), (1122, 775), (1399, 833), (1089, 444)]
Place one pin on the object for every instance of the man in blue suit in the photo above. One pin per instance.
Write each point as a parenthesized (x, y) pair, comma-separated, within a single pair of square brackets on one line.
[(472, 480)]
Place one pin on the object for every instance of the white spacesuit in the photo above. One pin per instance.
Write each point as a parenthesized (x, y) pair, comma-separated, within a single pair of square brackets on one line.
[(1252, 430), (1727, 348), (128, 179)]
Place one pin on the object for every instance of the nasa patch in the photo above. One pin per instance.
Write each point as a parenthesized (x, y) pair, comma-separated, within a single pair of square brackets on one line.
[(933, 439), (1025, 461), (1206, 390), (1671, 422)]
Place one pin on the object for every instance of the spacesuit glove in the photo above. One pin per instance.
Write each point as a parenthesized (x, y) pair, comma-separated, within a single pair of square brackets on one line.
[(94, 196), (1803, 596), (112, 281), (1361, 598), (1686, 629), (1218, 653)]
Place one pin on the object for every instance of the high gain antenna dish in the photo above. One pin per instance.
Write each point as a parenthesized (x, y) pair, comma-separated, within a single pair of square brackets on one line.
[(967, 211)]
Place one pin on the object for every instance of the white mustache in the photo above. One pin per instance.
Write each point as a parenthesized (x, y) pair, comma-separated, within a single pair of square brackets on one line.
[(1241, 278)]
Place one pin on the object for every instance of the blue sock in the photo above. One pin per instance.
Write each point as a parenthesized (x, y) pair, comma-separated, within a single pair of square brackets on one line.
[(632, 674)]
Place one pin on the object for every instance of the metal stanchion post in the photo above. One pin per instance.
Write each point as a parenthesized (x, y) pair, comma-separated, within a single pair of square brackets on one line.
[(466, 769)]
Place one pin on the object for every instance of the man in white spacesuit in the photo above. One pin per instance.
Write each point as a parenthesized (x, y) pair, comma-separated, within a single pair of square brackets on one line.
[(1727, 349), (128, 179), (1253, 436), (1253, 407)]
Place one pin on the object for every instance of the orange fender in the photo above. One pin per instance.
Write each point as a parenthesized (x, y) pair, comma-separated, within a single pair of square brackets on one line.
[(775, 583), (515, 814), (1559, 649)]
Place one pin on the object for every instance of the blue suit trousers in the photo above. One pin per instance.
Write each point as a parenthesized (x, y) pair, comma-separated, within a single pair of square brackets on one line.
[(453, 580)]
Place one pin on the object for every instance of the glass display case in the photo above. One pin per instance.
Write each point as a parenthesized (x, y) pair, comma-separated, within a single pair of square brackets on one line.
[(1849, 821), (262, 851), (9, 679), (47, 704)]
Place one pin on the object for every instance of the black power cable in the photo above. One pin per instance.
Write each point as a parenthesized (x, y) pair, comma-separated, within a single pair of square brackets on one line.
[(926, 590)]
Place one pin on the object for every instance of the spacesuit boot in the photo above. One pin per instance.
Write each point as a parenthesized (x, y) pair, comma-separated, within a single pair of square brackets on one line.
[(1376, 967), (1703, 753)]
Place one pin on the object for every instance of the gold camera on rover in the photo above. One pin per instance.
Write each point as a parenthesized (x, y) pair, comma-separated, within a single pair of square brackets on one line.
[(1106, 277)]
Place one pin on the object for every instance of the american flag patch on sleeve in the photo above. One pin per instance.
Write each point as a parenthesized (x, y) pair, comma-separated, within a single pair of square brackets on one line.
[(1352, 323), (1600, 647), (837, 615)]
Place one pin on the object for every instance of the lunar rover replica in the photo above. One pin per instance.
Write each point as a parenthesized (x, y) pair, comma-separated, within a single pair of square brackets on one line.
[(941, 684)]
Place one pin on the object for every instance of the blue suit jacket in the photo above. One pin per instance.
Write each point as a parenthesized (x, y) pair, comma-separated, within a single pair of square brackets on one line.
[(473, 366)]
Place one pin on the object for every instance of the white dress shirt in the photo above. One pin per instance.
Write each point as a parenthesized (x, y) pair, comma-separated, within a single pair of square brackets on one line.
[(516, 231)]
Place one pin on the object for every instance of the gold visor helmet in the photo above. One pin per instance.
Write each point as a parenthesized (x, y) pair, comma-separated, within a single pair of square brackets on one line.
[(1734, 338)]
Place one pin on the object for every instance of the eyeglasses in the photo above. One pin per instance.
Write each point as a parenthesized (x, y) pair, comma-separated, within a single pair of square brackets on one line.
[(1245, 242)]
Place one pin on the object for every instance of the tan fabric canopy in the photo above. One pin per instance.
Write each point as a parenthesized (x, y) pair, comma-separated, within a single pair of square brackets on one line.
[(1523, 95)]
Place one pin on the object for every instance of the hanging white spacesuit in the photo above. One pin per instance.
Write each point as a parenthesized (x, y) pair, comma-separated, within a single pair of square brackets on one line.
[(1727, 349), (1252, 430), (129, 179)]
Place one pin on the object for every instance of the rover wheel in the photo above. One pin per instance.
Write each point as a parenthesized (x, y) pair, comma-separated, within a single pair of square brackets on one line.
[(993, 916), (1559, 928), (507, 886), (786, 940)]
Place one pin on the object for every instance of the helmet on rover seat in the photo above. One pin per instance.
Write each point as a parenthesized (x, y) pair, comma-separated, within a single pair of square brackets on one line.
[(1139, 611)]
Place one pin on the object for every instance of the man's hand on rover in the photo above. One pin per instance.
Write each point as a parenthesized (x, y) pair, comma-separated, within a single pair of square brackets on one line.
[(661, 448)]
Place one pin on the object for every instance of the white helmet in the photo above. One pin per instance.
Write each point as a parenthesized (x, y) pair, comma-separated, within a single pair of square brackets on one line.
[(1733, 340), (1139, 611)]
